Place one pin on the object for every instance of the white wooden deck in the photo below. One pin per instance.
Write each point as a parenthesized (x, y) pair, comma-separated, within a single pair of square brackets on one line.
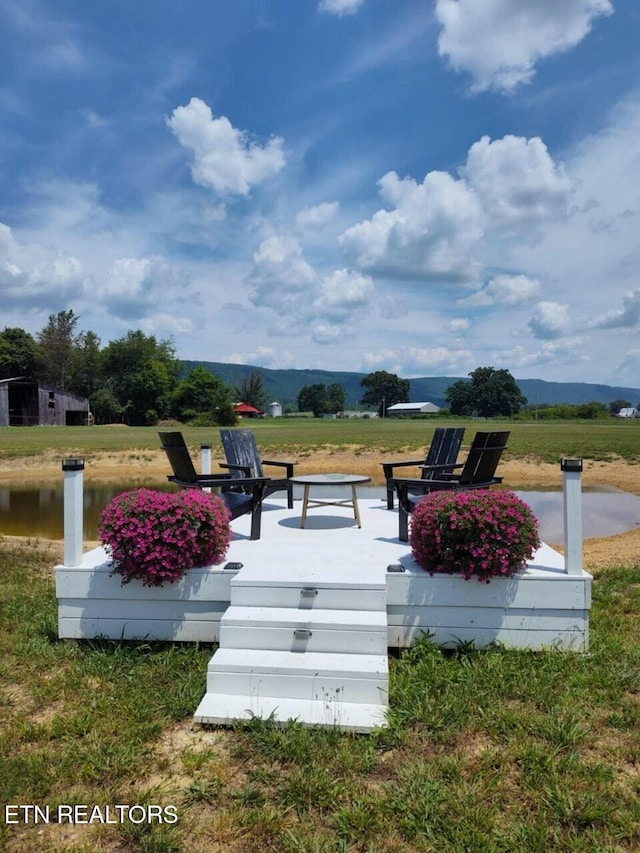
[(305, 624)]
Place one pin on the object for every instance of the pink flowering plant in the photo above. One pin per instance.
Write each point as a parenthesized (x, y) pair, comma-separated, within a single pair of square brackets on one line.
[(478, 533), (157, 536)]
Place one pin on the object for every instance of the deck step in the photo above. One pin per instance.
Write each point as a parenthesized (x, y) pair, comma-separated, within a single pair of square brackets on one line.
[(223, 709), (290, 629), (299, 675), (309, 589)]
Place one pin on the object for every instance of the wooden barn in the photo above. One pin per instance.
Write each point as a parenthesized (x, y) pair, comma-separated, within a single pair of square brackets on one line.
[(27, 403)]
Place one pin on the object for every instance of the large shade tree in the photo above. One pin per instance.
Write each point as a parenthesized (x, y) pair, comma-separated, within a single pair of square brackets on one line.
[(383, 390), (202, 396), (489, 393), (142, 374), (18, 354)]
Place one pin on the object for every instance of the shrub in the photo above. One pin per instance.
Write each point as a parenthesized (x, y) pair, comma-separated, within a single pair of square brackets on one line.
[(483, 533), (157, 536)]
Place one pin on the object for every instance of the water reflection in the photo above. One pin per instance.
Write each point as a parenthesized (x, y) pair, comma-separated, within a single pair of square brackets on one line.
[(39, 511)]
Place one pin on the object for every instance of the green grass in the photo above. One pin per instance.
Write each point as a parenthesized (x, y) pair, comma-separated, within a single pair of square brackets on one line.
[(598, 440), (494, 751)]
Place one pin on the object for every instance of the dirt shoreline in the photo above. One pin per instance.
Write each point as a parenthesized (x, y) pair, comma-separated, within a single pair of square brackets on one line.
[(150, 467)]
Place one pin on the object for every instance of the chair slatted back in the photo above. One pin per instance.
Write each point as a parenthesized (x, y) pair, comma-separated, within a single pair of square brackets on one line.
[(240, 449), (484, 456), (179, 457), (444, 449)]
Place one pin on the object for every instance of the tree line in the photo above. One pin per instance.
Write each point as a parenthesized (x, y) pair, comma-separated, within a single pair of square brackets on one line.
[(137, 379)]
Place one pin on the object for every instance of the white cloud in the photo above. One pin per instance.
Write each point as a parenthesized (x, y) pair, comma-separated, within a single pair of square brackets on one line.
[(499, 42), (339, 7), (327, 333), (568, 350), (277, 359), (549, 320), (517, 181), (419, 361), (459, 325), (429, 234), (225, 158), (133, 287), (34, 276), (280, 276), (343, 293), (504, 291), (618, 318), (317, 216)]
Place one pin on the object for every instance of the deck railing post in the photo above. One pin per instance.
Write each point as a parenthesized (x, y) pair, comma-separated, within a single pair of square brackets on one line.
[(205, 462), (73, 511), (572, 492)]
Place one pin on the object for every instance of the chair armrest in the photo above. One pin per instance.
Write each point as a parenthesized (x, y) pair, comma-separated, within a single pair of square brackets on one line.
[(287, 465), (246, 469), (388, 467), (218, 481), (443, 467)]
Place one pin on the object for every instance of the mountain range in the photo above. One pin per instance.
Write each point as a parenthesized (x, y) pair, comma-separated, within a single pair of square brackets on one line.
[(285, 385)]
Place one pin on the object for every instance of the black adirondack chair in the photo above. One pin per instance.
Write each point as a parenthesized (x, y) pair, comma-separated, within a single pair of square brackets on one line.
[(443, 451), (478, 472), (241, 495), (243, 460)]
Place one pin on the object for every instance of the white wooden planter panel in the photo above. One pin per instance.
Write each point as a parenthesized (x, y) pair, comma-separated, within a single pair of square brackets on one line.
[(564, 637), (191, 631)]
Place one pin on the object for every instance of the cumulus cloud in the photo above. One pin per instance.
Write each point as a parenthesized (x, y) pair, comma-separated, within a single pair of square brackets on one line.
[(134, 286), (429, 234), (517, 181), (278, 359), (339, 7), (317, 216), (280, 275), (419, 361), (343, 293), (568, 350), (225, 158), (34, 276), (619, 318), (549, 320), (504, 290), (438, 230), (499, 42), (459, 325)]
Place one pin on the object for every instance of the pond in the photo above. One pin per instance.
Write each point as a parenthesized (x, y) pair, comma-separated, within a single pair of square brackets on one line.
[(39, 511)]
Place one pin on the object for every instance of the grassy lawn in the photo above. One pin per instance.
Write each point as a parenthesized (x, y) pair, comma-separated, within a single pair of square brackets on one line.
[(485, 752), (544, 441)]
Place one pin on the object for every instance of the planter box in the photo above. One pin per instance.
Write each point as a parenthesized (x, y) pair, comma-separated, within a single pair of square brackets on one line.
[(541, 608), (92, 603)]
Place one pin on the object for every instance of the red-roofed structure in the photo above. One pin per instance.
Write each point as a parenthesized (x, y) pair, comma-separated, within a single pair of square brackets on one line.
[(247, 411)]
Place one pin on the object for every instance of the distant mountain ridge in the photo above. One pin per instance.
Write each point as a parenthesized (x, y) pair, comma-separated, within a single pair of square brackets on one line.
[(285, 385)]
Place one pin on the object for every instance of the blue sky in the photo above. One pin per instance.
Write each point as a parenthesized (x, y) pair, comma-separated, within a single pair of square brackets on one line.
[(419, 186)]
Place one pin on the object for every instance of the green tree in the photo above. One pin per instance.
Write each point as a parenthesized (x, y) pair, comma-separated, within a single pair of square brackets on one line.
[(616, 405), (202, 395), (105, 407), (56, 343), (85, 370), (313, 398), (251, 391), (18, 354), (490, 393), (143, 374), (335, 398), (383, 390)]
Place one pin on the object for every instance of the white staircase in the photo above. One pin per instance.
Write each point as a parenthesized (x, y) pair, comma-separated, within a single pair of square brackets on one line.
[(303, 644)]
